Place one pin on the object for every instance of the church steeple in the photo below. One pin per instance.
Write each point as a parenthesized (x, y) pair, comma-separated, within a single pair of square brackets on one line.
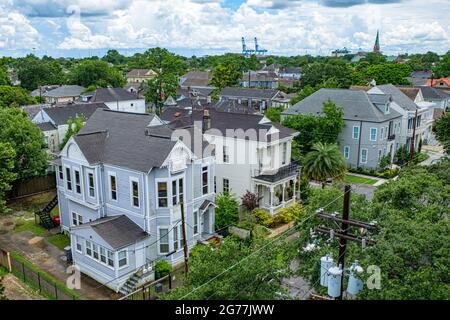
[(376, 47)]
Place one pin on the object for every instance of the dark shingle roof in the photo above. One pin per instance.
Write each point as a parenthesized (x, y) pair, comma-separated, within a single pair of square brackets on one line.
[(221, 121), (399, 97), (430, 93), (46, 126), (119, 138), (196, 79), (249, 93), (61, 114), (112, 94), (64, 91), (357, 105), (117, 231)]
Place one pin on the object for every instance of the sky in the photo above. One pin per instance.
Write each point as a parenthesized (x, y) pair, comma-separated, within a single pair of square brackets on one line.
[(81, 28)]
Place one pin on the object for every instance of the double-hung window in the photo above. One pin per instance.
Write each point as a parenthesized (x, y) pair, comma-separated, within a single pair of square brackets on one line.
[(77, 181), (175, 238), (110, 258), (163, 240), (373, 134), (180, 189), (103, 255), (89, 248), (364, 154), (77, 219), (91, 185), (346, 152), (95, 253), (123, 259), (174, 192), (226, 155), (135, 193), (69, 179), (60, 172), (355, 132), (205, 180), (284, 154), (162, 194), (113, 186), (79, 245), (195, 222), (226, 185)]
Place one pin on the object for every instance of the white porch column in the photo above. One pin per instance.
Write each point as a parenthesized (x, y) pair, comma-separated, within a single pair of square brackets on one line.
[(271, 190), (284, 190)]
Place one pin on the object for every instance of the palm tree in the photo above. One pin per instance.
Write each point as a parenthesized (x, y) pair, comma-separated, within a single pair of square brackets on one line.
[(323, 162)]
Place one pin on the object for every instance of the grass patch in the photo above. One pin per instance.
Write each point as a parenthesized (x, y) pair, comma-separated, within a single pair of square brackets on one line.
[(3, 271), (59, 240), (44, 275), (30, 226), (359, 180)]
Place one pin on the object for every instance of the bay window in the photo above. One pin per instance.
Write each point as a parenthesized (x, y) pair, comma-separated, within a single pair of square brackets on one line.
[(164, 240), (162, 194)]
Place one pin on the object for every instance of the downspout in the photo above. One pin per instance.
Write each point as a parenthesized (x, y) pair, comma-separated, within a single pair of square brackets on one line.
[(359, 143), (102, 191)]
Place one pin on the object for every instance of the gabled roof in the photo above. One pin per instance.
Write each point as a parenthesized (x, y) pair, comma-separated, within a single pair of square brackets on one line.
[(357, 105), (124, 139), (140, 73), (117, 231), (267, 76), (436, 82), (112, 94), (398, 96), (410, 92), (46, 126), (61, 114), (196, 79), (248, 93), (430, 93), (64, 91)]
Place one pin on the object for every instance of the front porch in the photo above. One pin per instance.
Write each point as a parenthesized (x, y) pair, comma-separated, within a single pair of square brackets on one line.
[(277, 195)]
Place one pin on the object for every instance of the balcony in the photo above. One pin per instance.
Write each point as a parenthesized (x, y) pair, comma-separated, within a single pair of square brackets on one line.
[(287, 171), (391, 137)]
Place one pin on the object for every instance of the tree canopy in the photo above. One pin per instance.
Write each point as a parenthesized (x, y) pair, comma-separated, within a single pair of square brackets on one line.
[(442, 130), (393, 73), (14, 97), (34, 72), (97, 73), (27, 141), (7, 176)]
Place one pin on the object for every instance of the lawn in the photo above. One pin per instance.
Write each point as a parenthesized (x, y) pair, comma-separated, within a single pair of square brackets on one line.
[(29, 225), (59, 240), (359, 180)]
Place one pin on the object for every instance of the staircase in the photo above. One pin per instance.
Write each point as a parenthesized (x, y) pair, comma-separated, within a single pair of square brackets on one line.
[(131, 284), (45, 218)]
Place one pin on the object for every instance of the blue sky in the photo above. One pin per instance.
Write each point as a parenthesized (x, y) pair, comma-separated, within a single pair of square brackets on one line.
[(286, 27)]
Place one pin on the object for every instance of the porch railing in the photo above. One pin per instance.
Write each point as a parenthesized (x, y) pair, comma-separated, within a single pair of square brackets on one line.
[(282, 173)]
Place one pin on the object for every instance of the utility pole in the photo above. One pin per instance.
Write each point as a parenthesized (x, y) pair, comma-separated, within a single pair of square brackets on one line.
[(411, 152), (343, 233), (185, 246)]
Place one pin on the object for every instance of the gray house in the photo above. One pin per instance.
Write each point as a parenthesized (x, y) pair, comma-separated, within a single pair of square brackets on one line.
[(371, 129), (121, 181), (259, 99)]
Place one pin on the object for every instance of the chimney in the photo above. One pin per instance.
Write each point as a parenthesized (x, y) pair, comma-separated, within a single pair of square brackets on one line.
[(206, 125)]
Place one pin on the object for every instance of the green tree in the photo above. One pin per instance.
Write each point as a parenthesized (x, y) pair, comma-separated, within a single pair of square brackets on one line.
[(442, 68), (114, 57), (385, 161), (317, 73), (442, 131), (34, 72), (274, 114), (97, 73), (73, 126), (4, 78), (227, 211), (7, 176), (374, 58), (27, 141), (401, 155), (394, 73), (225, 76), (324, 162), (14, 96), (168, 67), (323, 128), (253, 276)]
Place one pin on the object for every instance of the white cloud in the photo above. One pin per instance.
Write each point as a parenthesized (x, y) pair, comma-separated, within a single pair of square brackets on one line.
[(282, 26), (16, 31)]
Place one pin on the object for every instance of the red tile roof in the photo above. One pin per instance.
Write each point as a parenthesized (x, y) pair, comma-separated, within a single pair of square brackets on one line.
[(439, 82)]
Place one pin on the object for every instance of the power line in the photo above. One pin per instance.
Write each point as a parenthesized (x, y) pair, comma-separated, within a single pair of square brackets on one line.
[(258, 250)]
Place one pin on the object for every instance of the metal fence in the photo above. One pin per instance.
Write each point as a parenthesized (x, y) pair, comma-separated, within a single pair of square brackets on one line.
[(32, 186), (34, 278)]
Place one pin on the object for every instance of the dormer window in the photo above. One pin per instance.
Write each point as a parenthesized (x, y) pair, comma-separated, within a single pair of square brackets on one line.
[(386, 109)]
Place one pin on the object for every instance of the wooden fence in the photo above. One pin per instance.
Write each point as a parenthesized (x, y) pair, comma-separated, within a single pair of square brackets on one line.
[(32, 186), (5, 260)]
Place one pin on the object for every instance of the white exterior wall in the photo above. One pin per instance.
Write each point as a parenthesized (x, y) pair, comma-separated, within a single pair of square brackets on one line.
[(137, 106)]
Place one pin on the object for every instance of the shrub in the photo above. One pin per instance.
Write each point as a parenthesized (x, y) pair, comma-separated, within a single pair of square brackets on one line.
[(250, 200), (263, 217), (286, 215), (227, 211), (162, 268)]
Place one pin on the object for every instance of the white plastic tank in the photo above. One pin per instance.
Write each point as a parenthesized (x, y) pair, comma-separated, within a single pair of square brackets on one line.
[(355, 283), (326, 263), (334, 281)]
